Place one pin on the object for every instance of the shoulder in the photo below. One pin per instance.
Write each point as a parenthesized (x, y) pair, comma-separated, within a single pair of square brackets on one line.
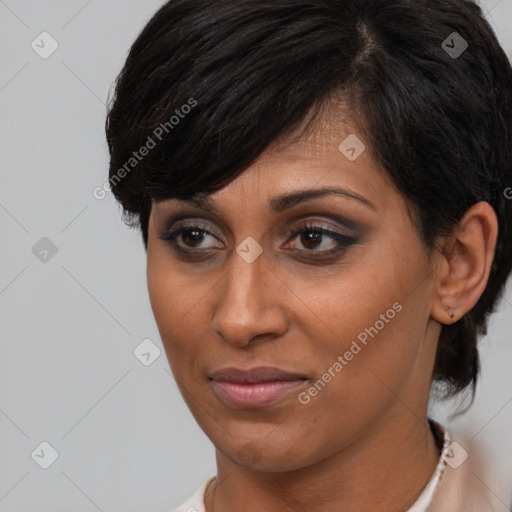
[(196, 502), (469, 483)]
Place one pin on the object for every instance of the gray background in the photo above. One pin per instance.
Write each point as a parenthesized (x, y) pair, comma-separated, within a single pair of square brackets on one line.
[(69, 325)]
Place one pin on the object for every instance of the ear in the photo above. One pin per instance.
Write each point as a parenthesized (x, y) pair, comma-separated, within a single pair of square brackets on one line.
[(464, 264)]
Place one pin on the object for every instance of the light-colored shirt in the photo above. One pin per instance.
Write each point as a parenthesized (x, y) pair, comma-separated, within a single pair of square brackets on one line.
[(460, 483)]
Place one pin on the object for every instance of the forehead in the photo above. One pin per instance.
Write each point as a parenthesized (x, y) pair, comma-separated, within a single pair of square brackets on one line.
[(330, 152), (311, 157)]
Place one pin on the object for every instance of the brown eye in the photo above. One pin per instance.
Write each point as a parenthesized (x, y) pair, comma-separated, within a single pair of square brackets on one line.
[(192, 237), (311, 239), (316, 241)]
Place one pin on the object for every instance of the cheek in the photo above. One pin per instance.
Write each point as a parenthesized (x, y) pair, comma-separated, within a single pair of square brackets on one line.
[(173, 293), (162, 294), (373, 314), (178, 307)]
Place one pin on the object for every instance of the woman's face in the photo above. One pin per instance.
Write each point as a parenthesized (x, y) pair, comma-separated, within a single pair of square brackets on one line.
[(252, 281)]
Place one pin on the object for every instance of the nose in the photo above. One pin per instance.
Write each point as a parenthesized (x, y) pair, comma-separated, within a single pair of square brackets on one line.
[(248, 303)]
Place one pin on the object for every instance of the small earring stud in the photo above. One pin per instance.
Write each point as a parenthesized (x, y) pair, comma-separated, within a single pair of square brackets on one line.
[(450, 313)]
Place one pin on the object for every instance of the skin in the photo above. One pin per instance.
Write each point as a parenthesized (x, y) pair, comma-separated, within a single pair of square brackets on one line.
[(364, 438)]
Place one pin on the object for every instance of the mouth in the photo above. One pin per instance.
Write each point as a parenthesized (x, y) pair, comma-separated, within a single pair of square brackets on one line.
[(255, 388)]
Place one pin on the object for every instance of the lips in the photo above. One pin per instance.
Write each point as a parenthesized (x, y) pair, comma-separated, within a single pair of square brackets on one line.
[(255, 388), (254, 375)]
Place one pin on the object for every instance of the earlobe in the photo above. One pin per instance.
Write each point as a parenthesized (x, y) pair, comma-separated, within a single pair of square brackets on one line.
[(464, 263), (451, 314)]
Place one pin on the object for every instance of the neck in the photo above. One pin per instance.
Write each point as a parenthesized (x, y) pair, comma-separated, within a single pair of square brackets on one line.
[(389, 464)]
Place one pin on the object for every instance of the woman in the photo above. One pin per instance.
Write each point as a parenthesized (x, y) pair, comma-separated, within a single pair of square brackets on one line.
[(321, 187)]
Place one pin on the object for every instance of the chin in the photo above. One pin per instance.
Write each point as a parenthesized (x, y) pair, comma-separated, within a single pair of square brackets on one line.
[(261, 456)]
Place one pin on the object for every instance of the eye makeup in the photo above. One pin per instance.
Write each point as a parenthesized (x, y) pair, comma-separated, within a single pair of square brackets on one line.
[(194, 238)]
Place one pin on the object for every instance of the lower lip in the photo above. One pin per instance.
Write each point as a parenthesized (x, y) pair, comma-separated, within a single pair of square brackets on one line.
[(257, 395)]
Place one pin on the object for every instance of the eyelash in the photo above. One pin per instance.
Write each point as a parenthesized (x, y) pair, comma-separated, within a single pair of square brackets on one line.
[(343, 241)]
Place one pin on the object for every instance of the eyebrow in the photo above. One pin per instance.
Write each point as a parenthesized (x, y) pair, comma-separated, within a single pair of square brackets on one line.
[(285, 201)]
